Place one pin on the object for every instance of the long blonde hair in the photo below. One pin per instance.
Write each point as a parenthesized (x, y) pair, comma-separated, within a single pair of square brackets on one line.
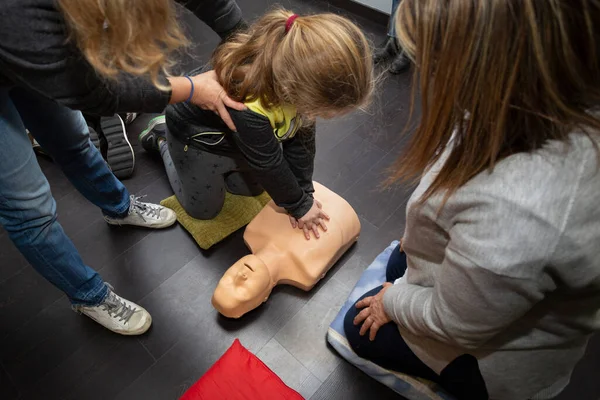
[(506, 76), (322, 64), (131, 36)]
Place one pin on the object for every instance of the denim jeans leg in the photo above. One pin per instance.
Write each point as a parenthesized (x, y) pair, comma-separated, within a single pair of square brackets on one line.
[(392, 20), (28, 213), (64, 134)]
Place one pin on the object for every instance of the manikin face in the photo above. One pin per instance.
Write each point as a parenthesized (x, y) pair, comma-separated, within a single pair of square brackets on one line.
[(245, 285)]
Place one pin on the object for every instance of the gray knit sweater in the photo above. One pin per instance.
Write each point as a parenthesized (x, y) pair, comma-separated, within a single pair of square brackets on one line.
[(509, 271)]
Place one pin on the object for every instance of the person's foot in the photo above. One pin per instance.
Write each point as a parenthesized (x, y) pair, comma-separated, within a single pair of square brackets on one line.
[(153, 134), (386, 52), (118, 314), (400, 63), (145, 215), (120, 154)]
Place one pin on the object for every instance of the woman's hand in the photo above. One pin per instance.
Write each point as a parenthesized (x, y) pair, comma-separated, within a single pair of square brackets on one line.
[(208, 95), (373, 315), (311, 221)]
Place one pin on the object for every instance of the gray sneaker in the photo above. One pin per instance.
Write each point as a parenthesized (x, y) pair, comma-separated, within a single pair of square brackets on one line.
[(146, 215), (118, 314)]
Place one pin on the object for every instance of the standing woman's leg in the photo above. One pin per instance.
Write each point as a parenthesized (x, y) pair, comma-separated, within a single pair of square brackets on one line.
[(28, 213), (392, 20), (64, 134), (391, 50)]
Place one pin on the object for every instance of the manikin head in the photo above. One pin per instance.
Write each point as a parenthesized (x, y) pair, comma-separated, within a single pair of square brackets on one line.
[(245, 286)]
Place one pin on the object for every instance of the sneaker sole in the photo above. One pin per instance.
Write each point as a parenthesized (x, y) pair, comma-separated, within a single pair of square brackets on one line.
[(157, 226), (164, 225), (143, 329), (121, 157)]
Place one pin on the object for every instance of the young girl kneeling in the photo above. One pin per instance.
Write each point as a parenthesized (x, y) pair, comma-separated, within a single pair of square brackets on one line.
[(287, 70)]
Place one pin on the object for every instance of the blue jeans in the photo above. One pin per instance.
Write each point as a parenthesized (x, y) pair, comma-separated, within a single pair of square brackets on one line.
[(27, 208), (392, 20)]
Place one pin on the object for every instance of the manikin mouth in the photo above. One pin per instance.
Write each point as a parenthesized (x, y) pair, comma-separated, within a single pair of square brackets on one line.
[(249, 267)]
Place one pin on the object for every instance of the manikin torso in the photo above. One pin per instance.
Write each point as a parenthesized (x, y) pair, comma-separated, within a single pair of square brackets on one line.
[(282, 255)]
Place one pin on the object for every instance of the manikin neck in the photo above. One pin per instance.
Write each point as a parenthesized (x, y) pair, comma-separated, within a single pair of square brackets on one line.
[(273, 258)]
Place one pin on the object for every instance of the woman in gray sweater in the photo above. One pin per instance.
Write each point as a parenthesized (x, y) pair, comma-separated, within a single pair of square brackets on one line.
[(501, 289)]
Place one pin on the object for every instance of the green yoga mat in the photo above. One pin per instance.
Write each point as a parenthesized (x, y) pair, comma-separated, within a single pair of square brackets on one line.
[(237, 212)]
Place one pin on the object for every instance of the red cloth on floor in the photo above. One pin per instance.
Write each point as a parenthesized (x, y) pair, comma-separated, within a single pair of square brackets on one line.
[(240, 375)]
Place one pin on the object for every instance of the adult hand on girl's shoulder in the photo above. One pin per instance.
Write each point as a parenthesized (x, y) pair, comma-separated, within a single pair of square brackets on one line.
[(210, 95), (312, 220), (373, 315)]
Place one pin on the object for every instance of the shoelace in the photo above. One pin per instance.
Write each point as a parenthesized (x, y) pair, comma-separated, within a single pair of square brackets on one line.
[(117, 308), (143, 209)]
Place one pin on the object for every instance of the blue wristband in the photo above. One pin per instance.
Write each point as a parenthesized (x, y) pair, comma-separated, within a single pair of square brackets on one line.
[(192, 91)]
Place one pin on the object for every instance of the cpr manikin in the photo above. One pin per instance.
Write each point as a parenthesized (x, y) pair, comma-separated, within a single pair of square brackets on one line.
[(282, 255)]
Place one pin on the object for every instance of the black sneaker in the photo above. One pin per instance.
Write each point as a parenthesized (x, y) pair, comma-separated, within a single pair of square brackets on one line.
[(386, 52), (120, 155), (400, 63), (156, 129)]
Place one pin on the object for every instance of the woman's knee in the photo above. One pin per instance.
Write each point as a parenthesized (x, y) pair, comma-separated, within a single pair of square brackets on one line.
[(352, 331), (31, 218)]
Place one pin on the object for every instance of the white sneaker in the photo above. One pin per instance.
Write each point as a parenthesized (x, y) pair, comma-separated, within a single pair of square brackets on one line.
[(146, 215), (118, 314)]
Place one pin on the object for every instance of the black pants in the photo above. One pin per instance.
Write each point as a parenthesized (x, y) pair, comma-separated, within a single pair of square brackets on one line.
[(461, 377), (222, 16), (200, 179)]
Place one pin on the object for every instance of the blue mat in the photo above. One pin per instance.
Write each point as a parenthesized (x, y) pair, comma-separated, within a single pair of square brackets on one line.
[(408, 386)]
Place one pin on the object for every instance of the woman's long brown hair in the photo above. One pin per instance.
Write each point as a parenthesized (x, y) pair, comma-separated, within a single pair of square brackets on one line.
[(132, 36), (323, 64), (502, 76)]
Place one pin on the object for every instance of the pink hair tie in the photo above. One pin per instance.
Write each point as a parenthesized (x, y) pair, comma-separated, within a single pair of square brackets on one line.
[(290, 22)]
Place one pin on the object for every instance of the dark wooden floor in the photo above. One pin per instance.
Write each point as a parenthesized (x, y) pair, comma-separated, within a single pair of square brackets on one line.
[(49, 352)]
